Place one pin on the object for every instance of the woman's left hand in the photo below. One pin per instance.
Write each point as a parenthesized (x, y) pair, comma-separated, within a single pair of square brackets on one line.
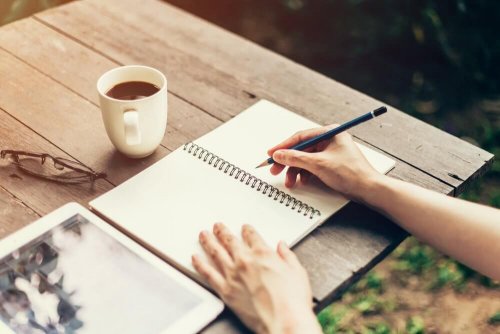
[(269, 290)]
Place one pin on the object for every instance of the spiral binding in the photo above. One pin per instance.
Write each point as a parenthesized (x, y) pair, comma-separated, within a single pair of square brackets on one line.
[(250, 180)]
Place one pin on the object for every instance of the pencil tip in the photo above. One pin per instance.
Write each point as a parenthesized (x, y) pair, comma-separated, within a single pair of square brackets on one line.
[(265, 163)]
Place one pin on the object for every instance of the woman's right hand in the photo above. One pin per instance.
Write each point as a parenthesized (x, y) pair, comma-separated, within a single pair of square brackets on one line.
[(337, 162)]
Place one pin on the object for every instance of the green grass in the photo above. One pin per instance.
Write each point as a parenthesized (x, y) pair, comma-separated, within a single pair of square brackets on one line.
[(330, 319), (367, 302), (415, 325), (377, 328)]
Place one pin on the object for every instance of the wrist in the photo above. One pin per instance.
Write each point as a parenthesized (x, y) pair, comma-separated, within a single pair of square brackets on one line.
[(372, 189), (295, 322)]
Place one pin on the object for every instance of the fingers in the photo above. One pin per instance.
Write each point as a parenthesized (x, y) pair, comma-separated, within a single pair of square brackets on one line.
[(293, 158), (299, 137), (252, 238), (291, 176), (228, 240), (208, 273), (216, 252), (286, 254), (276, 168), (305, 176)]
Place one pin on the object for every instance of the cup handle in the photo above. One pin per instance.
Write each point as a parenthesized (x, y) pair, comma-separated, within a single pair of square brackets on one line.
[(131, 123)]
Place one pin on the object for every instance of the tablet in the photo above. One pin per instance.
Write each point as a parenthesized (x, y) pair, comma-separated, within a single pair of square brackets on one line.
[(70, 272)]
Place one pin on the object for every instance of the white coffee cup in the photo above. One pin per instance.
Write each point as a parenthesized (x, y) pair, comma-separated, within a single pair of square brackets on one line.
[(135, 127)]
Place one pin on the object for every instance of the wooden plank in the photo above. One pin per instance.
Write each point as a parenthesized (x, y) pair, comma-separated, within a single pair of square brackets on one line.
[(222, 74), (63, 59), (40, 195), (13, 214)]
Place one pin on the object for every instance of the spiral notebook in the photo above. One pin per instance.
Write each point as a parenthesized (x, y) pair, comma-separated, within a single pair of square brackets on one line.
[(214, 179)]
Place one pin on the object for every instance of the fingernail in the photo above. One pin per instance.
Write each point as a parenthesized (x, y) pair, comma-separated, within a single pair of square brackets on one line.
[(217, 228)]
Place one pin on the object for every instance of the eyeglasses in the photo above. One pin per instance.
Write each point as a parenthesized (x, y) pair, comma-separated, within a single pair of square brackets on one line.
[(59, 170)]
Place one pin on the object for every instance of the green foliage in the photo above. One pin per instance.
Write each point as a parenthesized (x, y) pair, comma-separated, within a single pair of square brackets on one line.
[(371, 281), (450, 273), (378, 328), (11, 10), (495, 319), (369, 303), (374, 282), (415, 325), (416, 259), (495, 199), (330, 319)]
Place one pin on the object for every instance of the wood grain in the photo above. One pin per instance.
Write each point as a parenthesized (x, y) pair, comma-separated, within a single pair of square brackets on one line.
[(63, 59), (14, 214), (39, 195), (64, 118), (223, 78)]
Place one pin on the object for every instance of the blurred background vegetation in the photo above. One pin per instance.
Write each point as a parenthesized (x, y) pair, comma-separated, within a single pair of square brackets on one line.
[(11, 10), (436, 60)]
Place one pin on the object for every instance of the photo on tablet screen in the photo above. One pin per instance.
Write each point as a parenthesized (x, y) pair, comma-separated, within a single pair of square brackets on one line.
[(77, 279)]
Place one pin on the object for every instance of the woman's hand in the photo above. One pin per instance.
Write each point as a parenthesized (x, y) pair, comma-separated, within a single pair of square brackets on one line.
[(269, 290), (337, 162)]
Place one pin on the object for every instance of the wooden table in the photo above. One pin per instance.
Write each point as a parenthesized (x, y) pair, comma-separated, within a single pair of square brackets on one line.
[(49, 64)]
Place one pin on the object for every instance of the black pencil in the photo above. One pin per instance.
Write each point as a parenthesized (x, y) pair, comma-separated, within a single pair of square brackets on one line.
[(329, 134)]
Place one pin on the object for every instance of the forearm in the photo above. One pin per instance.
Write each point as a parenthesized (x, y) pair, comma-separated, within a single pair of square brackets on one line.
[(467, 231)]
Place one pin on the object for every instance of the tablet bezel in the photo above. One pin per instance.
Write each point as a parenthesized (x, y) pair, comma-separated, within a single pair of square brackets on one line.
[(195, 320)]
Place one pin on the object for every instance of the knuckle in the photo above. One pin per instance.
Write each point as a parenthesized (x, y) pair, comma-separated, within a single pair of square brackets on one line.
[(226, 291), (213, 253), (321, 163), (242, 263), (300, 136), (261, 251)]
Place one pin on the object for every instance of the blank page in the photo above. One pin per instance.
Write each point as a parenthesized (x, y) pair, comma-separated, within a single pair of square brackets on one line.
[(169, 203)]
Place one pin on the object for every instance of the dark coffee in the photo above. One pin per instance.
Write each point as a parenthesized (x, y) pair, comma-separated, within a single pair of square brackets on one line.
[(132, 90)]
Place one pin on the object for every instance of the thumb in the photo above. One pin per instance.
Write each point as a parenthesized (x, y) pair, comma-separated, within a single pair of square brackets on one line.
[(293, 158)]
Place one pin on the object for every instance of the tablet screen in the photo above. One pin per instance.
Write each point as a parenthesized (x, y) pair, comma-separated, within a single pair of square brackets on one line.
[(76, 278)]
